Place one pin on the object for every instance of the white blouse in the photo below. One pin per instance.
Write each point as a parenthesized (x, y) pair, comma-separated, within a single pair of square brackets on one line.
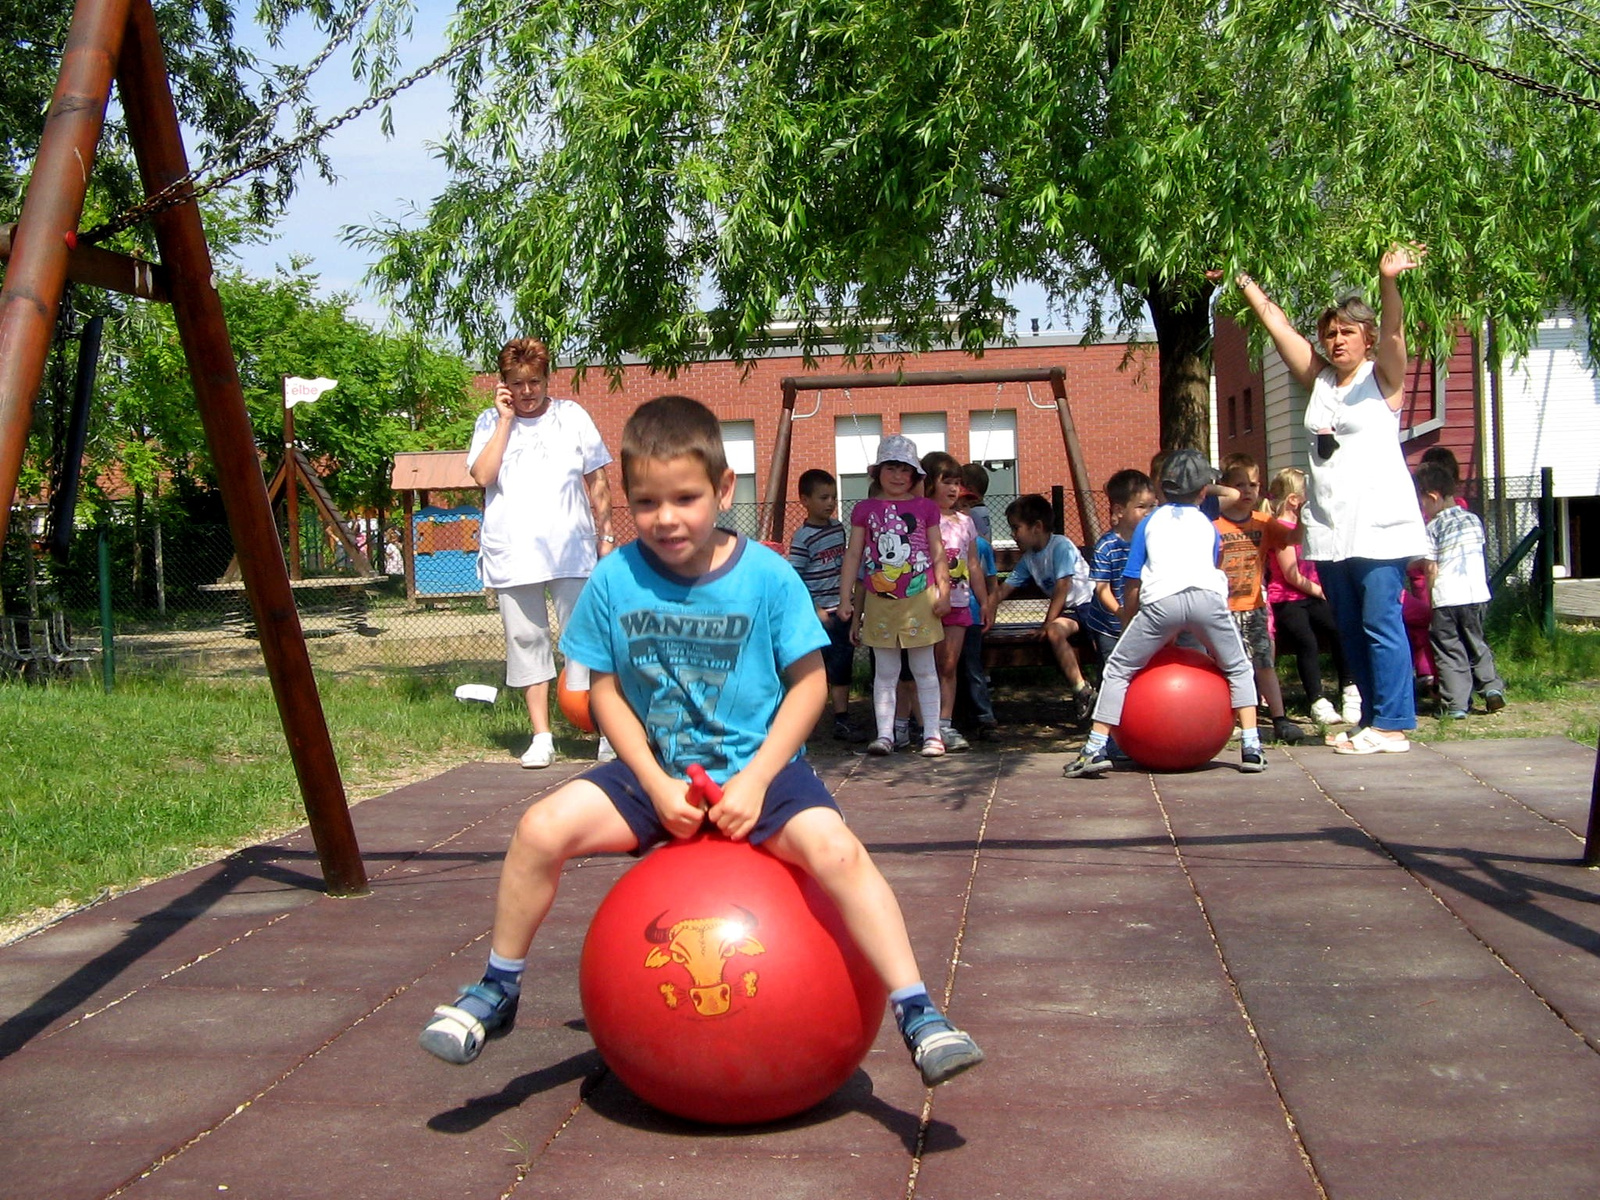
[(1361, 502)]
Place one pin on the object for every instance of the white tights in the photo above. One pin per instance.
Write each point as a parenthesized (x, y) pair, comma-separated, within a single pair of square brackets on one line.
[(885, 679)]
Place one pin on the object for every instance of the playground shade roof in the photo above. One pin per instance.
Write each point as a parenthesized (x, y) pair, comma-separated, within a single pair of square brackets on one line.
[(430, 470)]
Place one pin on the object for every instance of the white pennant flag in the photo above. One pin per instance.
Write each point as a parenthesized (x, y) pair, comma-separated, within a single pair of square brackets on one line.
[(304, 391)]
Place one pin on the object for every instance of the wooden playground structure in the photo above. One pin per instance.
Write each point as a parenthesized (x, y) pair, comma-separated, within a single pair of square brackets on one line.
[(117, 40)]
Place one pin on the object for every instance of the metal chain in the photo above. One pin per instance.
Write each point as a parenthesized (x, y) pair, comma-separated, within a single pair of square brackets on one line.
[(1554, 40), (186, 190), (1466, 60), (292, 87)]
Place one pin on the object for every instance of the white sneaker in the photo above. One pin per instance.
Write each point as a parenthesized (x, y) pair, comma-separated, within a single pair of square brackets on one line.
[(606, 753), (1351, 705), (541, 753), (1324, 712)]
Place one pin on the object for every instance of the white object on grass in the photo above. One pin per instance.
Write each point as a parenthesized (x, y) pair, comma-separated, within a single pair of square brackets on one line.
[(477, 691)]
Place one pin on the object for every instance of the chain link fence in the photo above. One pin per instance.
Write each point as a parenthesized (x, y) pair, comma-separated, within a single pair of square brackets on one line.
[(169, 612)]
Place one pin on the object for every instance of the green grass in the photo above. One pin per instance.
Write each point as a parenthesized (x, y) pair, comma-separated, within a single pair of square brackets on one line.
[(103, 791)]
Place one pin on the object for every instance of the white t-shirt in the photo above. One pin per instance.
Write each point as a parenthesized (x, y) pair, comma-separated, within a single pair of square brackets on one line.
[(1174, 549), (1360, 501), (537, 523)]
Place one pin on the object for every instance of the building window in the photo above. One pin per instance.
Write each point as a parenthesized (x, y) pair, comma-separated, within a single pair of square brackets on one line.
[(1249, 412), (1233, 416), (927, 430), (739, 441), (992, 441), (855, 441)]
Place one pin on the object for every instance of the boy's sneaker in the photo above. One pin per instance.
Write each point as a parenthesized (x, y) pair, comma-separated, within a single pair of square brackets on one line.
[(1325, 713), (1493, 702), (940, 1050), (879, 747), (1252, 759), (1083, 701), (540, 754), (902, 735), (605, 753), (1086, 764), (1454, 714), (988, 731), (954, 740), (1287, 732), (456, 1032), (933, 747)]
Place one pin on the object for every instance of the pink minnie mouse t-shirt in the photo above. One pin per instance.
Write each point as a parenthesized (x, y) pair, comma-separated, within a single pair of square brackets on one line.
[(895, 561)]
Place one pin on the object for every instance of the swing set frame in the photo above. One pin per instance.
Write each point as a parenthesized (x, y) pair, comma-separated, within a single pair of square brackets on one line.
[(118, 41), (778, 477)]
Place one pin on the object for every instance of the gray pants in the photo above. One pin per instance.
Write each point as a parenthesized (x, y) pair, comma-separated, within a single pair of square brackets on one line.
[(1462, 660), (1193, 610)]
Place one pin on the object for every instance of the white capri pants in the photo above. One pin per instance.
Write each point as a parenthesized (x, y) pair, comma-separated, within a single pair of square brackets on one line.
[(530, 653)]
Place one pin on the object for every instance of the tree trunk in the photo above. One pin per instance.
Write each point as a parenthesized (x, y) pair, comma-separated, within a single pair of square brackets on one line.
[(1182, 317)]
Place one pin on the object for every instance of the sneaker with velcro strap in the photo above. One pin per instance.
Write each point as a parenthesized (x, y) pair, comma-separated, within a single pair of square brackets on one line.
[(940, 1050), (456, 1032)]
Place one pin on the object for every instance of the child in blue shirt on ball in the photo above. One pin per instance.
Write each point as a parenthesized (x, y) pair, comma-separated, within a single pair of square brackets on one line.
[(704, 649)]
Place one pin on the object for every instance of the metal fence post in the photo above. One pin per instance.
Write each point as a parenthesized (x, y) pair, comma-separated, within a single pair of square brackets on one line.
[(108, 665), (1546, 582)]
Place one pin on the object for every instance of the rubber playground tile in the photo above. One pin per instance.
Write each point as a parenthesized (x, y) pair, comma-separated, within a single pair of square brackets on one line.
[(79, 1120), (178, 1020), (1373, 1025), (1102, 1063), (1237, 1151), (1314, 952), (336, 1154), (559, 1174), (1473, 1095), (1124, 933), (1067, 995), (1550, 1168), (1006, 886), (100, 958)]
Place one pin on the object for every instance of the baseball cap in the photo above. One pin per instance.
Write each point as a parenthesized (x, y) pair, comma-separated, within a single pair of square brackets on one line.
[(1185, 473)]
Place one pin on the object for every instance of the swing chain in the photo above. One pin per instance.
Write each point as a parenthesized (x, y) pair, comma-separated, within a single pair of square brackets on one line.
[(186, 190)]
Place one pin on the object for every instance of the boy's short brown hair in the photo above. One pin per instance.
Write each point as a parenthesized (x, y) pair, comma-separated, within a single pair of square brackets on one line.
[(1032, 509), (526, 353), (1435, 477), (976, 477), (1125, 485), (671, 427), (1239, 462), (813, 479)]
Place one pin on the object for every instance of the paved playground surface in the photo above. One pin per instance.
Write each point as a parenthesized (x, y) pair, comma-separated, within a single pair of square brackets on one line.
[(1348, 977)]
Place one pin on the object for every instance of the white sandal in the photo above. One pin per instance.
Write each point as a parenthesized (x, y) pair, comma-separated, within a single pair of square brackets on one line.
[(1370, 741)]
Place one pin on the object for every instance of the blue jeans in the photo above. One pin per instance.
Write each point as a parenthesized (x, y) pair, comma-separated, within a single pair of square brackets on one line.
[(1365, 594)]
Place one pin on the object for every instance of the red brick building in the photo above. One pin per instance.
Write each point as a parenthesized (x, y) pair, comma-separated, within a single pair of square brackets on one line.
[(1111, 390)]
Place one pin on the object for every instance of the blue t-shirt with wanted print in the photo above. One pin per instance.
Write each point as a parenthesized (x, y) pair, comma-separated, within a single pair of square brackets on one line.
[(700, 661)]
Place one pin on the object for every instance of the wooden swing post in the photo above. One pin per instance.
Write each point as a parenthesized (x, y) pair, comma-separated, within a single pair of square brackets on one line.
[(120, 36)]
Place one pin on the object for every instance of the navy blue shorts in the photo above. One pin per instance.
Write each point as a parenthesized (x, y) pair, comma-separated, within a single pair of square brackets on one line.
[(795, 789)]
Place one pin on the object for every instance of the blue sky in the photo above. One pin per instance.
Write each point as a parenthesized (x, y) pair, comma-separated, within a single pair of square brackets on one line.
[(387, 177)]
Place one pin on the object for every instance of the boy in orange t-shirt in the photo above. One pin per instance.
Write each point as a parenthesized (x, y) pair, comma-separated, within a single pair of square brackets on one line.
[(1241, 528)]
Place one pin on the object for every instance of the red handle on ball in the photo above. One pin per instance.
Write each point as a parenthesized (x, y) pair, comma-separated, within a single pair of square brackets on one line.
[(704, 791)]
